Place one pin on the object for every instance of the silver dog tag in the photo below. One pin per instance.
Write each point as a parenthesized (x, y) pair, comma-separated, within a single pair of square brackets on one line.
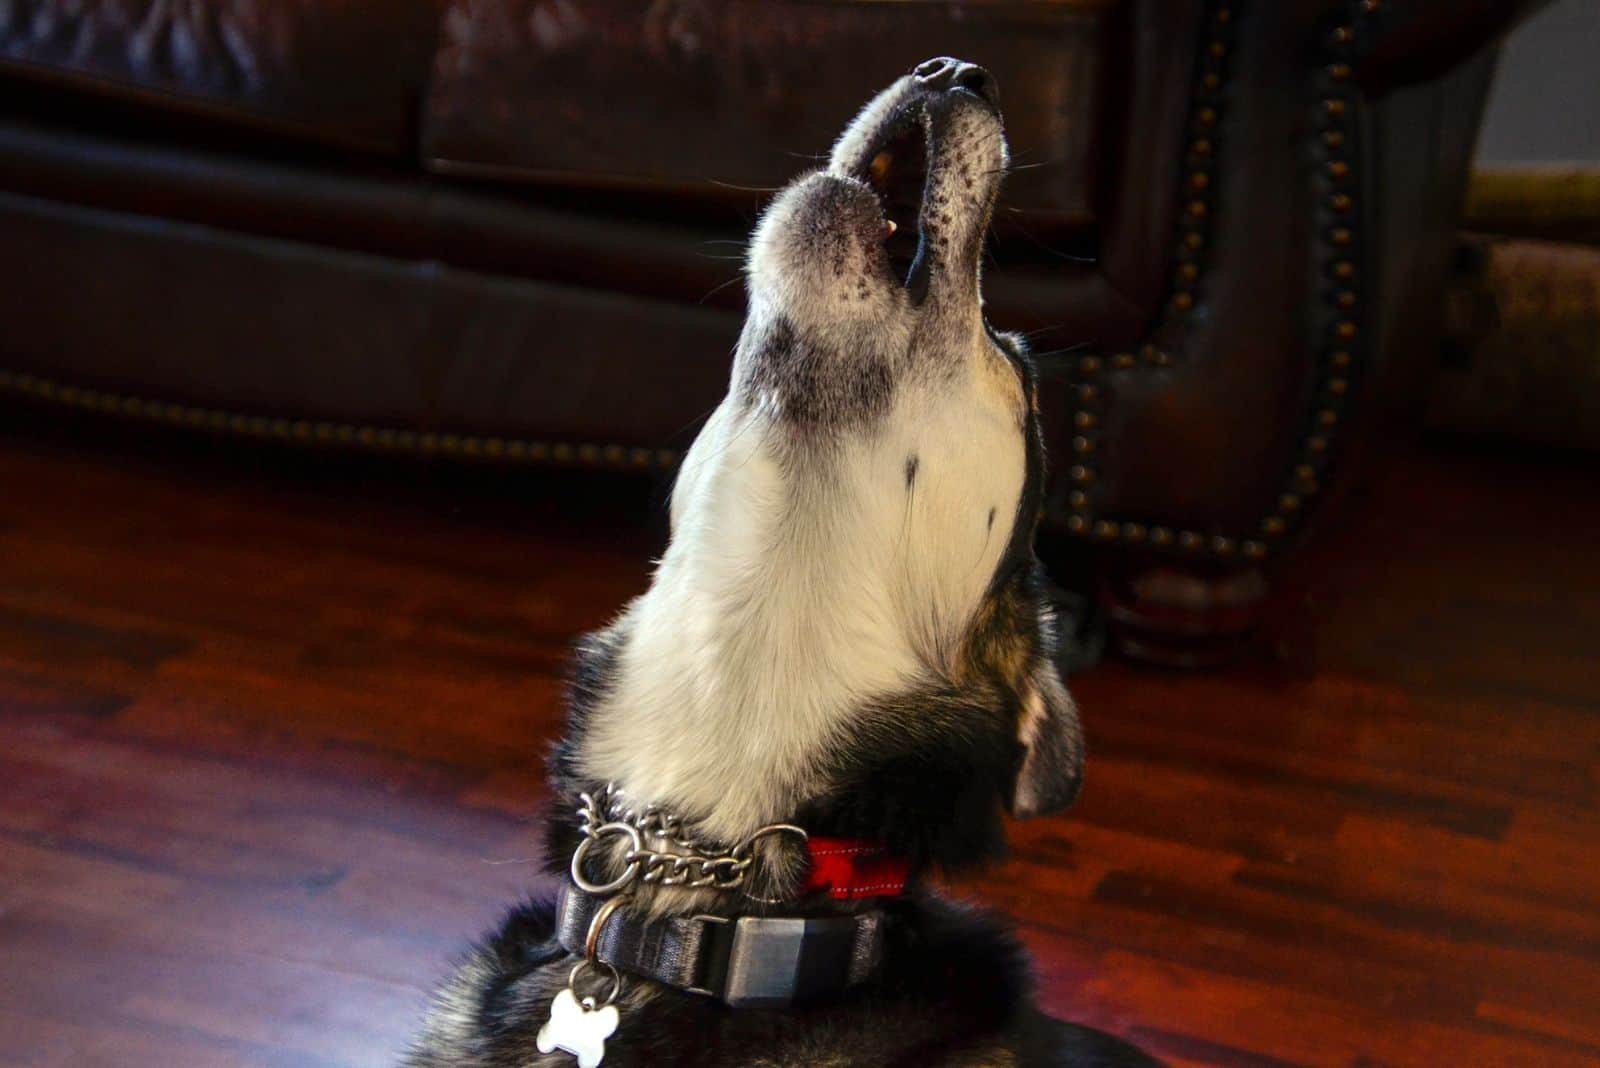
[(578, 1028)]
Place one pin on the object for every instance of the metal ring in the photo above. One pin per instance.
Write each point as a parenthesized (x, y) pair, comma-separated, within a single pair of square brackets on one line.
[(772, 828), (780, 828), (578, 855), (591, 941), (616, 978), (745, 850)]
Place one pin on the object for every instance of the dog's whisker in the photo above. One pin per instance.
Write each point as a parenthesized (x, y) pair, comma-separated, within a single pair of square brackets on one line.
[(745, 188), (1016, 224), (1013, 168), (719, 288), (1066, 351)]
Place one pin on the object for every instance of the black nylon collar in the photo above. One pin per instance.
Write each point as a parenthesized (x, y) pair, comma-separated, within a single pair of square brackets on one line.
[(744, 961)]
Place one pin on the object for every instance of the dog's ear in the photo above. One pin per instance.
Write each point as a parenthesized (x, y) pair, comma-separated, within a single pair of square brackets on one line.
[(1052, 740)]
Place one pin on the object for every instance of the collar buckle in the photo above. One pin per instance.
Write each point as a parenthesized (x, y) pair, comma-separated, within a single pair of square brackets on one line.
[(744, 962), (778, 960)]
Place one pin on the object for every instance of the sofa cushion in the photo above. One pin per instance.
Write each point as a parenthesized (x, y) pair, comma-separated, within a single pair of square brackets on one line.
[(703, 95), (341, 72)]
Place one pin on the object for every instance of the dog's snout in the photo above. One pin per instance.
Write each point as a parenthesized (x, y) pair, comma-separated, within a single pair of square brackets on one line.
[(944, 73)]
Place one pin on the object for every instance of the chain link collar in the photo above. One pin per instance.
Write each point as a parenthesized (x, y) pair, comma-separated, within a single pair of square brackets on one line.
[(678, 860)]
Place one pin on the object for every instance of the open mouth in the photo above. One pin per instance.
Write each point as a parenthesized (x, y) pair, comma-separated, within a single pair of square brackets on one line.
[(898, 172)]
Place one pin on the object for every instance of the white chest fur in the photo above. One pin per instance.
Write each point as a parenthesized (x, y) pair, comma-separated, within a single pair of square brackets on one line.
[(791, 595)]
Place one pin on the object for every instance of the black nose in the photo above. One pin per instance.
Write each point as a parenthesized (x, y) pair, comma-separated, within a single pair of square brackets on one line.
[(946, 73)]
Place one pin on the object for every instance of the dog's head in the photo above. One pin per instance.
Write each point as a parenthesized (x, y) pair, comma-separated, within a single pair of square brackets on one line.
[(848, 627)]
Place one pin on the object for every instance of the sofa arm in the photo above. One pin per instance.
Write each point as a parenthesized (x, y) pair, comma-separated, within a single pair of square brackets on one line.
[(1418, 41), (1313, 225)]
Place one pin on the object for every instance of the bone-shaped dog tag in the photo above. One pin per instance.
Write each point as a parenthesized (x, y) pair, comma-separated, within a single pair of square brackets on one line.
[(578, 1029)]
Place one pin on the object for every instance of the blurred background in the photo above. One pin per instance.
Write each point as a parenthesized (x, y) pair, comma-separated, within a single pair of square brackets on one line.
[(347, 350)]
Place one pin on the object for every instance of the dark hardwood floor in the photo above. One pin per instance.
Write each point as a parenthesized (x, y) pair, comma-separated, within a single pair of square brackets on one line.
[(271, 727)]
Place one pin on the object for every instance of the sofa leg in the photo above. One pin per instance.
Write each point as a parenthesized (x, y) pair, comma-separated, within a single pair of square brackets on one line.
[(1180, 616)]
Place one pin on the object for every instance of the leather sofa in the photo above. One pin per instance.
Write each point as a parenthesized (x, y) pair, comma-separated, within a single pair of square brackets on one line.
[(510, 230)]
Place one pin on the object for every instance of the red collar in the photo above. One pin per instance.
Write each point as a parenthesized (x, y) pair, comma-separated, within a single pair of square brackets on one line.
[(851, 869)]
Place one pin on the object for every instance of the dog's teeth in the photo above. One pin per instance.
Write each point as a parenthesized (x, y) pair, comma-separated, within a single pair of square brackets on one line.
[(889, 228), (880, 165)]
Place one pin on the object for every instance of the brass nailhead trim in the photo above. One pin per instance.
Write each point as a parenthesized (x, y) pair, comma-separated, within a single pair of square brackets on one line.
[(301, 431), (1335, 139)]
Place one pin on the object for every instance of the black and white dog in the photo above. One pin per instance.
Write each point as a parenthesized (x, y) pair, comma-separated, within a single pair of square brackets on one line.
[(839, 679)]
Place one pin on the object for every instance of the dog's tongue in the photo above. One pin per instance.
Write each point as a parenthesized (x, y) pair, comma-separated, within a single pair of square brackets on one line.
[(850, 869)]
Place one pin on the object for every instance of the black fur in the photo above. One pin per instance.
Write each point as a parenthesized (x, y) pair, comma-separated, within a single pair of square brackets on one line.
[(815, 388), (594, 671), (954, 990), (1019, 551), (926, 776)]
